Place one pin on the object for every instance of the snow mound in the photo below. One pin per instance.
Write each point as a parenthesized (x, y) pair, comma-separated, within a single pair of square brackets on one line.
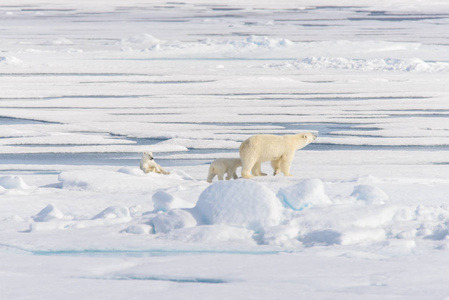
[(131, 171), (164, 201), (304, 194), (240, 203), (50, 212), (387, 64), (174, 219), (113, 212), (13, 182), (369, 194)]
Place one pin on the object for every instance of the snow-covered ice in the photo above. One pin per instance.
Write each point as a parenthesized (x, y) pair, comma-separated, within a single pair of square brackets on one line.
[(87, 86)]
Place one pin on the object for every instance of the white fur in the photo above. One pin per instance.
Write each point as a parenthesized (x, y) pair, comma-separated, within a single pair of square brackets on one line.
[(280, 150), (147, 164), (220, 166)]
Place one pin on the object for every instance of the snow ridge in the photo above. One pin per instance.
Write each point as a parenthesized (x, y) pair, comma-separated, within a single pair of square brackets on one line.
[(365, 65)]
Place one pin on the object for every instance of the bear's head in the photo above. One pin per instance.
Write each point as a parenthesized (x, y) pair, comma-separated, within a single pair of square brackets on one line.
[(305, 138), (148, 155)]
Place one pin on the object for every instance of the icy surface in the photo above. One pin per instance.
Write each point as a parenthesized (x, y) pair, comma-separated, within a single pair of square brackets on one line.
[(87, 86)]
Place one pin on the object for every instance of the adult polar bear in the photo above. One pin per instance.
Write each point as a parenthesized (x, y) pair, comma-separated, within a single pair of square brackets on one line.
[(280, 150)]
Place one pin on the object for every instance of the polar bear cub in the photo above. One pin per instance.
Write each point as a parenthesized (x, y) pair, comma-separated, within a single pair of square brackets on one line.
[(280, 150), (220, 166), (147, 164)]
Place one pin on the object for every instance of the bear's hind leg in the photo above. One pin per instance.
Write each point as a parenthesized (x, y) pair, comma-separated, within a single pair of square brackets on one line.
[(246, 168)]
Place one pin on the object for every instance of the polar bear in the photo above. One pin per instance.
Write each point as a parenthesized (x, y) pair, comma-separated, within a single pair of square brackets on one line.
[(267, 147), (147, 164), (220, 166)]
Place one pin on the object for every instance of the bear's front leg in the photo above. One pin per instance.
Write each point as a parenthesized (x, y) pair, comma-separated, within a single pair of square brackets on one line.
[(275, 164), (285, 163), (257, 170)]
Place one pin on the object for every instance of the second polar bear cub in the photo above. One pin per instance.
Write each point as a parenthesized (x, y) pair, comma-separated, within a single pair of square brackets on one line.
[(147, 164), (267, 147), (220, 166)]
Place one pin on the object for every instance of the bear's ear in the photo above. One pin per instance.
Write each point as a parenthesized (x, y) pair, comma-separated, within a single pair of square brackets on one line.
[(304, 136)]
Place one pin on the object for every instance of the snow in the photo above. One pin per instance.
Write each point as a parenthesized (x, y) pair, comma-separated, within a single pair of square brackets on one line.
[(369, 194), (50, 212), (174, 219), (87, 86), (165, 201), (240, 203), (304, 194), (364, 65), (13, 182)]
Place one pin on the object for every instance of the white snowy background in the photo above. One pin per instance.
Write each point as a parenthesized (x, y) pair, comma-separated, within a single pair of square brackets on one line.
[(87, 86)]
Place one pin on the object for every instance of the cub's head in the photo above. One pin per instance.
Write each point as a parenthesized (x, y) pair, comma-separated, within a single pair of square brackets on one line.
[(305, 138), (148, 155)]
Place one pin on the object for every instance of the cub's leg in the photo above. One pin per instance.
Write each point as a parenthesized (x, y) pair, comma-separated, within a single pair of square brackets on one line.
[(229, 172), (210, 177), (146, 169), (211, 174), (162, 171)]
